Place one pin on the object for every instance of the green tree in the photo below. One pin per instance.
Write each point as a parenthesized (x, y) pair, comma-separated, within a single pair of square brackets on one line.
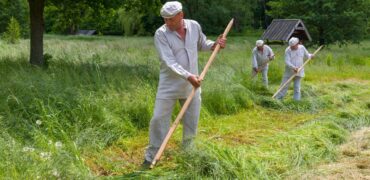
[(130, 21), (17, 9), (329, 21), (214, 15), (68, 16), (140, 16), (260, 18), (102, 19), (36, 9), (12, 34), (65, 16)]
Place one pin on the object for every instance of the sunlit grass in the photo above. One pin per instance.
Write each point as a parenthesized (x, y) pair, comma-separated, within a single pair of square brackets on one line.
[(88, 114)]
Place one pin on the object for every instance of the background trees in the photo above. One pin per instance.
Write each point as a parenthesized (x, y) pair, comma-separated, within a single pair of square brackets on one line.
[(68, 16), (328, 21), (214, 15), (12, 34), (17, 9), (325, 20)]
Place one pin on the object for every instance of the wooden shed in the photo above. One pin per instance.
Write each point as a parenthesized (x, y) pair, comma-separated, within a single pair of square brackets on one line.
[(284, 29), (86, 32)]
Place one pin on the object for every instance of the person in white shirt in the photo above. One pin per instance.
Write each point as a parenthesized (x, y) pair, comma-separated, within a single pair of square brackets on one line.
[(261, 55), (294, 55), (177, 43)]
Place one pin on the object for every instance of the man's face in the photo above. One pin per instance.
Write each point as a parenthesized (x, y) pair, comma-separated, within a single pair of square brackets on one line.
[(174, 23), (295, 47), (260, 48)]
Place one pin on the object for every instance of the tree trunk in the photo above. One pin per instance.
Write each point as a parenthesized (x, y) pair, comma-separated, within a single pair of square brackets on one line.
[(37, 31)]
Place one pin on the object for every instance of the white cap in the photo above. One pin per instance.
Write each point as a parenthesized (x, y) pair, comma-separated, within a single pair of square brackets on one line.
[(170, 9), (293, 41), (259, 43)]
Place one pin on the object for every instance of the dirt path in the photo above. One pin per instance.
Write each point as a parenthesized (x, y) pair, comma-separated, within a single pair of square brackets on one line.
[(353, 162)]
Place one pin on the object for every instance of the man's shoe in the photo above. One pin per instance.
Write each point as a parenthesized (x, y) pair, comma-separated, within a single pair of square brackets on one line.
[(146, 164)]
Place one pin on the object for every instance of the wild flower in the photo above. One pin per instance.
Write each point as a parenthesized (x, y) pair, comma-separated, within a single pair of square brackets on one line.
[(45, 155), (28, 149), (39, 122), (55, 173), (58, 144)]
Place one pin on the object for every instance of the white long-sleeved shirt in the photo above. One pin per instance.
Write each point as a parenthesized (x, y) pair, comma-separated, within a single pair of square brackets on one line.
[(179, 58), (294, 59), (259, 59)]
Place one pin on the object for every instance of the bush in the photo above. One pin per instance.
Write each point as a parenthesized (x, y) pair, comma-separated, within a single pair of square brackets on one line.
[(13, 32)]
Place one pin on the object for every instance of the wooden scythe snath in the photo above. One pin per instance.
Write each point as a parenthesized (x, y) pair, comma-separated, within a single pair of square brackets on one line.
[(260, 68), (295, 74), (188, 100)]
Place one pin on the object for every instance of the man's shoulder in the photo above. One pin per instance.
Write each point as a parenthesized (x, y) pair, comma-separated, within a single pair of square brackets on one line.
[(191, 22), (267, 46), (161, 30), (254, 49), (301, 46)]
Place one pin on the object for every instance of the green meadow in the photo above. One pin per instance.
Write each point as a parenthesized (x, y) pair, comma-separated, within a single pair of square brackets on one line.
[(86, 116)]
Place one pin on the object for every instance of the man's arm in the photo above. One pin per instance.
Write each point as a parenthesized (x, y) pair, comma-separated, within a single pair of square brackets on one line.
[(221, 41), (271, 54), (203, 43), (195, 81), (254, 60), (288, 61), (307, 54)]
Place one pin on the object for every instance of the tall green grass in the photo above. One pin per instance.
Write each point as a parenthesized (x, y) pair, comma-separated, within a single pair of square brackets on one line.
[(275, 157), (100, 90)]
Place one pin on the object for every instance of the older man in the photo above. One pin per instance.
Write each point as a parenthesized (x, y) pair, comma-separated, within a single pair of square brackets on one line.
[(261, 55), (177, 43), (294, 55)]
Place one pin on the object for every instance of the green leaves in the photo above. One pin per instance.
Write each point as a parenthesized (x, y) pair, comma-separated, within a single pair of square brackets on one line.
[(326, 20), (13, 33)]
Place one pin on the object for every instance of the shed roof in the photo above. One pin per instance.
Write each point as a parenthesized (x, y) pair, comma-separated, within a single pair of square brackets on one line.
[(284, 29), (86, 32)]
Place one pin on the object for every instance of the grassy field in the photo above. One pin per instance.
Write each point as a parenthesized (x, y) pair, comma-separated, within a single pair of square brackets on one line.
[(87, 114)]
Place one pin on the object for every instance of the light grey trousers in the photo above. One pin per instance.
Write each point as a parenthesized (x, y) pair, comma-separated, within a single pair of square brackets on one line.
[(297, 88), (264, 76), (160, 123)]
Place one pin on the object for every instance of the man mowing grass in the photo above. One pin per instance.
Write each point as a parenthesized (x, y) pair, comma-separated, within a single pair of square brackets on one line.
[(294, 55), (177, 43), (261, 56)]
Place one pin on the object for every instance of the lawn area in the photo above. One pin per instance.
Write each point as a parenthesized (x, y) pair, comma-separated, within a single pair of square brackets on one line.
[(87, 114)]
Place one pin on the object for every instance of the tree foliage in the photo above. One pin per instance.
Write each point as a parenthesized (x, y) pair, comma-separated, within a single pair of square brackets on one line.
[(13, 32), (328, 21), (17, 9), (214, 15), (140, 17), (68, 16)]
